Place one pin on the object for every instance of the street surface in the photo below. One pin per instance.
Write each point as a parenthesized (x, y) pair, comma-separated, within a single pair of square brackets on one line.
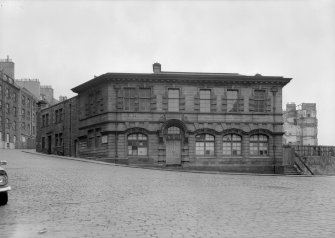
[(53, 197)]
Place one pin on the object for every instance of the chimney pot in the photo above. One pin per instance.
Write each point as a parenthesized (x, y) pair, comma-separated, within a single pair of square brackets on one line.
[(156, 68)]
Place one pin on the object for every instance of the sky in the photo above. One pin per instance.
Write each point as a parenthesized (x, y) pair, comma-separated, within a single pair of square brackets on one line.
[(66, 43)]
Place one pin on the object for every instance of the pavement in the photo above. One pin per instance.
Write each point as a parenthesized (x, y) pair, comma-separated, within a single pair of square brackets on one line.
[(57, 197)]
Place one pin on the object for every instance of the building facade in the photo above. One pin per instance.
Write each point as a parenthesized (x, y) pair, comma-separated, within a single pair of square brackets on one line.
[(18, 115), (300, 124), (226, 122)]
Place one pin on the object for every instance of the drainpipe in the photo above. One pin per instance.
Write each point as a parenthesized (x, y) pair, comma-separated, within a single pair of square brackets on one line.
[(274, 91)]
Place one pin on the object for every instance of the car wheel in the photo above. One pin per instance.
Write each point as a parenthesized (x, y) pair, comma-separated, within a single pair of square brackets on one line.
[(3, 198)]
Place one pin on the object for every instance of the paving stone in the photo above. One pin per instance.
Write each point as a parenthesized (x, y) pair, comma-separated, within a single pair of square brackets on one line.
[(53, 197)]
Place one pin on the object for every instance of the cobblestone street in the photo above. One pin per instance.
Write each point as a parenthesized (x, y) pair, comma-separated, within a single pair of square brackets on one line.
[(53, 197)]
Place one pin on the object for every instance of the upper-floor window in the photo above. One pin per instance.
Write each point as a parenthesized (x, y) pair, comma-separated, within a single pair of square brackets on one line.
[(58, 115), (7, 95), (15, 97), (15, 111), (173, 100), (7, 123), (23, 100), (232, 144), (0, 90), (47, 119), (259, 145), (129, 99), (232, 100), (204, 144), (205, 100), (259, 100), (14, 125), (144, 99), (23, 113), (28, 102), (7, 108)]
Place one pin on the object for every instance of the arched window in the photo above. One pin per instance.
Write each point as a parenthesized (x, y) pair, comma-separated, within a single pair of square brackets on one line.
[(259, 145), (204, 144), (137, 144), (173, 130), (232, 144)]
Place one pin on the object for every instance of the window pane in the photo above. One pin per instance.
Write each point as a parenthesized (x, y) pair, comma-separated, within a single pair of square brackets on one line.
[(205, 94)]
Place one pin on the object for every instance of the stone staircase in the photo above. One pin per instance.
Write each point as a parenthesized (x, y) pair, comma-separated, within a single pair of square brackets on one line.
[(291, 170)]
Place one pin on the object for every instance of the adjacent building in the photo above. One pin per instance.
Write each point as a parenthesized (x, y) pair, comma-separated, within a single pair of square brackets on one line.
[(300, 124), (219, 121), (18, 115)]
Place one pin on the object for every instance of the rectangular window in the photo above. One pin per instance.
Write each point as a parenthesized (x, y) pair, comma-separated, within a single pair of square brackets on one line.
[(15, 111), (259, 99), (7, 123), (205, 100), (23, 113), (129, 99), (145, 98), (23, 126), (23, 100), (43, 120), (173, 100), (47, 119), (232, 100), (15, 97), (7, 108)]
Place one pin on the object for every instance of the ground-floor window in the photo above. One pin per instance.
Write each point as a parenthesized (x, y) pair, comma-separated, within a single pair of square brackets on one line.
[(259, 145), (137, 144), (204, 144), (232, 145)]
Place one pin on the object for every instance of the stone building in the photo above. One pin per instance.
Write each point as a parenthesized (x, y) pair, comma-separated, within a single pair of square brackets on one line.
[(18, 115), (219, 121), (300, 124)]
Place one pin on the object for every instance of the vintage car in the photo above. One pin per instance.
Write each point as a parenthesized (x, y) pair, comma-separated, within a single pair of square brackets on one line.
[(4, 188)]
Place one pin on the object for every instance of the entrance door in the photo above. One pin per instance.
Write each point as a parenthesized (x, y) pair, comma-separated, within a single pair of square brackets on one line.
[(49, 144), (173, 152)]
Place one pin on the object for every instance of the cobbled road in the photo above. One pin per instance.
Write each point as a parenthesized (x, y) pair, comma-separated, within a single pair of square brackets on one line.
[(55, 197)]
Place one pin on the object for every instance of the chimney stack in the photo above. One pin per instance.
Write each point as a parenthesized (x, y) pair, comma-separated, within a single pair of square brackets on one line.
[(156, 68)]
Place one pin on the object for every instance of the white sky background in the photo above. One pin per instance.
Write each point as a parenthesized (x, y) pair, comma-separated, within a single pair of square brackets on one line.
[(65, 43)]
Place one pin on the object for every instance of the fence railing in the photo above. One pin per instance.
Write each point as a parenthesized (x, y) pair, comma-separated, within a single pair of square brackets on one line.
[(308, 150)]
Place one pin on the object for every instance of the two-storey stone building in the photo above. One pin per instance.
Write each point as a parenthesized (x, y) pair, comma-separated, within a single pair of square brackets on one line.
[(220, 121)]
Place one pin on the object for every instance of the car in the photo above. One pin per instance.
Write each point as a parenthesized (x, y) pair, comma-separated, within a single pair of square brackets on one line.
[(4, 188)]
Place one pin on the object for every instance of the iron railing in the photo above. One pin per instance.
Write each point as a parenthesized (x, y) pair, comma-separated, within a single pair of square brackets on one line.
[(308, 150)]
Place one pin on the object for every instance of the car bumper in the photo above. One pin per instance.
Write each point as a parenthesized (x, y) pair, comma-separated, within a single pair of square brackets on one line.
[(5, 189)]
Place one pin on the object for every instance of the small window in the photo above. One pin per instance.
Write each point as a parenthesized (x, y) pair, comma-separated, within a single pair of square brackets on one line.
[(137, 144), (259, 100), (205, 100), (145, 99), (232, 100), (173, 100)]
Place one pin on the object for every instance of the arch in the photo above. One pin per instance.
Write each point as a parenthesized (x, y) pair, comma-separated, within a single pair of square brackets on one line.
[(173, 122), (261, 131), (206, 131), (234, 131), (137, 130)]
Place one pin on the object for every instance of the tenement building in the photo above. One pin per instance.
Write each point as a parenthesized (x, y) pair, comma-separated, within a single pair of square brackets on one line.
[(219, 121), (17, 115), (300, 124)]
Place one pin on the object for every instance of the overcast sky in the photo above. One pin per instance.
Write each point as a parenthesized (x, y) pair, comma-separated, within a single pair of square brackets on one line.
[(65, 43)]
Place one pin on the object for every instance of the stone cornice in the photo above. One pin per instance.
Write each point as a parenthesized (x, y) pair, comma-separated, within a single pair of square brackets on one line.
[(175, 78)]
